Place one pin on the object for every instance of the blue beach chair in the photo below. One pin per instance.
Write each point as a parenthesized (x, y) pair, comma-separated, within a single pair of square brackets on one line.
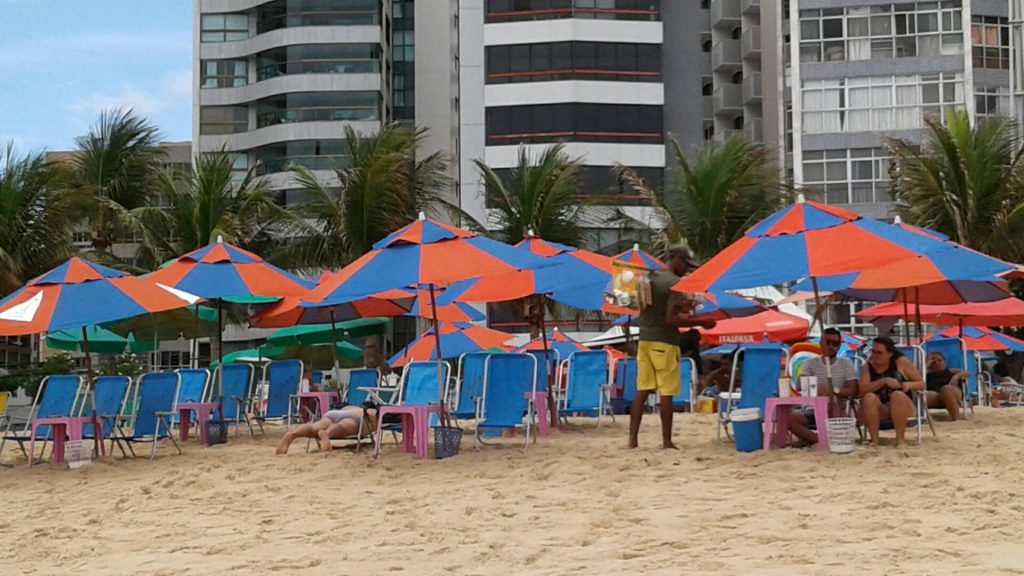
[(508, 378), (359, 383), (154, 401), (469, 385), (111, 395), (587, 389), (57, 396), (193, 386), (762, 364), (687, 384), (282, 383), (957, 356), (625, 379), (236, 394)]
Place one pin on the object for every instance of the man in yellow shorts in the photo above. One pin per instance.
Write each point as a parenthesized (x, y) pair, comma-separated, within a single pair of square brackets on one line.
[(658, 352)]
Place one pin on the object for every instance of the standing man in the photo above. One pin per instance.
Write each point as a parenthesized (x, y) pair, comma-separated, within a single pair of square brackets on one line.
[(837, 378), (658, 351)]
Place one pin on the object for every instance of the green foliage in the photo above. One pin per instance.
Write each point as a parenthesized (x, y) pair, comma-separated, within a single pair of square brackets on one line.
[(28, 379), (966, 182), (715, 197), (126, 364)]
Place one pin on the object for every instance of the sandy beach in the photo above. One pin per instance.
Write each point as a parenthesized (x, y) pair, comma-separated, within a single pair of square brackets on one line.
[(577, 503)]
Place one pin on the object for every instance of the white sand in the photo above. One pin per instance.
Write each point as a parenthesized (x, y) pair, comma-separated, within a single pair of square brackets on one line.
[(577, 503)]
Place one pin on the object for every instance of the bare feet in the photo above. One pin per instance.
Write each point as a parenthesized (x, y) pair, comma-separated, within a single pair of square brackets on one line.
[(325, 441), (282, 446), (633, 443), (669, 446)]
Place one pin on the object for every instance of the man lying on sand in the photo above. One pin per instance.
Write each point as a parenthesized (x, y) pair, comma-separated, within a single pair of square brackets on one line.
[(340, 423)]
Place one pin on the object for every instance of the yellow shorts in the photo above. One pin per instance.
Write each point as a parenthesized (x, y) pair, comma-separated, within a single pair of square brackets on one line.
[(658, 367)]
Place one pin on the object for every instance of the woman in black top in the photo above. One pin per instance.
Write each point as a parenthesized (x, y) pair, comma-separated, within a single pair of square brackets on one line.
[(886, 381)]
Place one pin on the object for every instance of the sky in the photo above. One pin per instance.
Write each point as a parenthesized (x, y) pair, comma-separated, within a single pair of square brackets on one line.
[(64, 61)]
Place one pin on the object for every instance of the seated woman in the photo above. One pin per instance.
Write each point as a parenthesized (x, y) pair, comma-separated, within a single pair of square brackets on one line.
[(340, 423), (1005, 386), (887, 380), (944, 385)]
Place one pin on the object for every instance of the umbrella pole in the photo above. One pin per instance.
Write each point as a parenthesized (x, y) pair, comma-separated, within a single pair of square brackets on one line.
[(334, 348), (195, 340), (906, 318), (552, 415), (88, 381), (437, 352), (817, 304), (220, 342), (917, 314)]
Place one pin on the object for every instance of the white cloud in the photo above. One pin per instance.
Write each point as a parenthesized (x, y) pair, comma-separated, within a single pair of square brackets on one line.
[(173, 91), (42, 50)]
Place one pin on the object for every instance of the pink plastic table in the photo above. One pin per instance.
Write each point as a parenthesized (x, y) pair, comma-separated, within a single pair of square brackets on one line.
[(70, 426), (540, 402), (415, 427), (776, 422), (324, 397), (202, 410)]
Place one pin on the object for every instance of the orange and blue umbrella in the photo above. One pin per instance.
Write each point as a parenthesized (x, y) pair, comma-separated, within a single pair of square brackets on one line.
[(557, 341), (830, 248), (637, 257), (717, 306), (1005, 312), (457, 338), (80, 293), (981, 339)]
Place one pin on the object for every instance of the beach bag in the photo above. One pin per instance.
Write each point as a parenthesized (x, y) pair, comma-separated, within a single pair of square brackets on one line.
[(216, 432)]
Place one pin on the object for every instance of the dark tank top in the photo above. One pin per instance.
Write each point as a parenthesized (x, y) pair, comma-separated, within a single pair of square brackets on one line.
[(891, 372)]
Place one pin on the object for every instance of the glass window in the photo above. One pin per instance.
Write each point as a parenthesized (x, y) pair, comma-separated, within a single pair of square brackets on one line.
[(223, 27), (318, 107), (223, 119), (223, 73), (296, 13), (575, 122), (574, 60)]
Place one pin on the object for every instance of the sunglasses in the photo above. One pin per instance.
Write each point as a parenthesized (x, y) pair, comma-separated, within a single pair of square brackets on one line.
[(835, 343)]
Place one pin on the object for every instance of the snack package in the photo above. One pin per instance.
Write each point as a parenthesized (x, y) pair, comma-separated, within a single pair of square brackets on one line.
[(629, 286)]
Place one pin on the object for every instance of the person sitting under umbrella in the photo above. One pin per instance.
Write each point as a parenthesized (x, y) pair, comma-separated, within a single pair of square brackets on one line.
[(837, 377), (1004, 386), (341, 423), (944, 385), (886, 381)]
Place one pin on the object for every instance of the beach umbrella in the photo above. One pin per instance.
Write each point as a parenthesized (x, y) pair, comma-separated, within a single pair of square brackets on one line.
[(456, 339), (220, 271), (769, 325), (637, 257), (979, 338), (313, 356), (555, 340), (1006, 312), (290, 311), (313, 334), (194, 321), (425, 252), (98, 340), (849, 339)]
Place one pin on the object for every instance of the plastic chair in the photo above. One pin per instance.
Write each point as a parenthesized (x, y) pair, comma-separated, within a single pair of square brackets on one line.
[(111, 395), (57, 396), (282, 382), (508, 379), (762, 364), (155, 398), (236, 394), (587, 390)]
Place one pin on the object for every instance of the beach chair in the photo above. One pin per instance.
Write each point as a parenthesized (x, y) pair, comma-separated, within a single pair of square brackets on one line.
[(236, 394), (110, 394), (625, 380), (957, 356), (508, 379), (545, 370), (57, 396), (154, 400), (587, 390), (918, 356), (688, 376), (359, 382), (194, 385), (762, 364), (469, 385), (283, 377), (417, 398)]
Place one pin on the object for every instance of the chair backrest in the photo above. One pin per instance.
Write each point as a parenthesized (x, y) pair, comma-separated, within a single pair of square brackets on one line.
[(283, 382), (625, 378), (588, 371), (316, 377), (545, 369), (362, 378), (470, 385), (157, 392), (193, 385), (419, 383), (110, 393), (762, 365), (507, 380), (957, 356), (687, 381), (236, 388), (57, 396)]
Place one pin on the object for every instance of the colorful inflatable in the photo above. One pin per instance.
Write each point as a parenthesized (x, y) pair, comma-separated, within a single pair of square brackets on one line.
[(799, 354)]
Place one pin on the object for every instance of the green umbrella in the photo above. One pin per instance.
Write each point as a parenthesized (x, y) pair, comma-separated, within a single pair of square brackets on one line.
[(312, 356), (170, 325), (304, 335), (101, 341), (251, 299)]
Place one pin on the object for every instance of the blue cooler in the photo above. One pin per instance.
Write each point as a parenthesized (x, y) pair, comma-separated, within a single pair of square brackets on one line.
[(746, 429)]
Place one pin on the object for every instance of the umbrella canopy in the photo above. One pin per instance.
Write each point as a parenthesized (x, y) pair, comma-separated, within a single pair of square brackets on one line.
[(919, 230), (221, 270), (425, 252), (312, 356), (311, 334), (81, 293), (770, 324), (637, 257), (290, 312), (1006, 312), (196, 321), (813, 241), (979, 338), (577, 278), (717, 306), (456, 339), (849, 340), (556, 340), (100, 341)]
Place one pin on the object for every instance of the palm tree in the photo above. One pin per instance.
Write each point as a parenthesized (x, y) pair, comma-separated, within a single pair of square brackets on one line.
[(197, 207), (115, 167), (967, 182), (541, 194), (34, 231), (385, 187), (715, 197)]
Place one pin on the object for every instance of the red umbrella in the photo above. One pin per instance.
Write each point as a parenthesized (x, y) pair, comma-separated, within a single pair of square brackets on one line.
[(768, 325), (981, 339), (1006, 312)]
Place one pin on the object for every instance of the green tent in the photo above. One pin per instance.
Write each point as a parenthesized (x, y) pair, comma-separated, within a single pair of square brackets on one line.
[(312, 356), (101, 341), (305, 335)]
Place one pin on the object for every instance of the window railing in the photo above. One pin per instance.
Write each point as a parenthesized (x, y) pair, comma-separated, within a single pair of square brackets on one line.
[(573, 74), (325, 114), (273, 70), (268, 23)]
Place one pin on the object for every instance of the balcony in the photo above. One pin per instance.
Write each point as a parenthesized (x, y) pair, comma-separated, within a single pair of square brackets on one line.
[(728, 100), (752, 88), (751, 43), (725, 14), (754, 130), (725, 56), (750, 7)]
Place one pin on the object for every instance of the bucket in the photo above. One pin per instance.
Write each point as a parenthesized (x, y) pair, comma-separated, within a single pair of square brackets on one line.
[(842, 434), (706, 405), (746, 429)]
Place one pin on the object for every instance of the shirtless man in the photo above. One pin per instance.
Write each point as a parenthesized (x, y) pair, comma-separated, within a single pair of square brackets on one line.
[(334, 424)]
